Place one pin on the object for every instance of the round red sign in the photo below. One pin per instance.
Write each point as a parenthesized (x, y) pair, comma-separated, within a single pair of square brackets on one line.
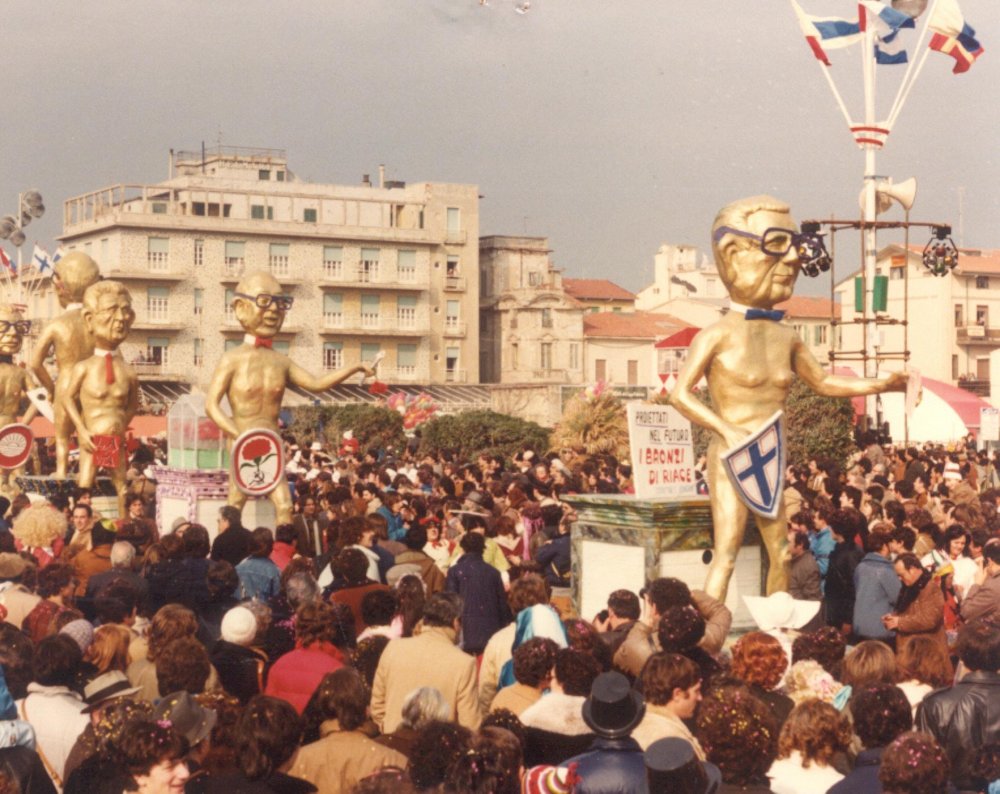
[(15, 446), (258, 462)]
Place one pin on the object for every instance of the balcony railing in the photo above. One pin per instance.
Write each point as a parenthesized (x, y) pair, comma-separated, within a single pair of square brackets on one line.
[(454, 283), (333, 270), (453, 327), (368, 272), (371, 320), (233, 266), (978, 335), (455, 376), (333, 319), (158, 261), (406, 319), (279, 266)]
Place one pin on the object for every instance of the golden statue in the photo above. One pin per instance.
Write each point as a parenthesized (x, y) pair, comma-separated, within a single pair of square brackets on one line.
[(749, 361), (102, 392), (253, 376), (68, 338), (15, 382)]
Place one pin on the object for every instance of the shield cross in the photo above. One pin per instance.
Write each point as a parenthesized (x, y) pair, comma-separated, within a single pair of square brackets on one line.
[(756, 467)]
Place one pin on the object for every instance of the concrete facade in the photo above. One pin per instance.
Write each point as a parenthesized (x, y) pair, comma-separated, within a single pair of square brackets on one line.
[(389, 267)]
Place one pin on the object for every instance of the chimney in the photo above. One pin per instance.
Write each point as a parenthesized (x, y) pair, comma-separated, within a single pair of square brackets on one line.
[(366, 180), (381, 175)]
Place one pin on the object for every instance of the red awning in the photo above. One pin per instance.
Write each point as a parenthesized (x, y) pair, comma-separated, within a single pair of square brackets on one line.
[(141, 426), (681, 339)]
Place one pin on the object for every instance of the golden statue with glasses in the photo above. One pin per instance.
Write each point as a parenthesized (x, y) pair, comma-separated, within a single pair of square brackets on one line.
[(15, 381), (749, 358), (102, 393), (254, 376), (68, 339)]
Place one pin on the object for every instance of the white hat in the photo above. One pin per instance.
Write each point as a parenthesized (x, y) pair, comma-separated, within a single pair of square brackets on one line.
[(239, 626), (780, 611), (316, 446), (952, 471), (348, 435)]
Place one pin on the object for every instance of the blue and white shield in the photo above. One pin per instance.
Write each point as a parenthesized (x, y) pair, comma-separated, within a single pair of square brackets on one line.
[(756, 467)]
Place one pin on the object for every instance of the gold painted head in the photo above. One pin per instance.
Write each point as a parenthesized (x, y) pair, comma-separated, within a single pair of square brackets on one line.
[(13, 326), (72, 275), (260, 305), (108, 313), (741, 231)]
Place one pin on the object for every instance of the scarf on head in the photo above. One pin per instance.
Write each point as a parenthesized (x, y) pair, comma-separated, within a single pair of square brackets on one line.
[(908, 595)]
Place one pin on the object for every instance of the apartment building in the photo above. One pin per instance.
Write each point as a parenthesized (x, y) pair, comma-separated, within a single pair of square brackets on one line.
[(599, 295), (381, 266), (531, 330)]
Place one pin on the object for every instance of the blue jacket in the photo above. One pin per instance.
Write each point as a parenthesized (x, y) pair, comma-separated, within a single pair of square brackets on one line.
[(863, 779), (876, 588), (396, 529), (612, 766), (259, 578), (822, 544), (484, 610)]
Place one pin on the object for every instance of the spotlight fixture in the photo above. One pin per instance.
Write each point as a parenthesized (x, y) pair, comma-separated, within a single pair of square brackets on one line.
[(940, 254), (813, 256)]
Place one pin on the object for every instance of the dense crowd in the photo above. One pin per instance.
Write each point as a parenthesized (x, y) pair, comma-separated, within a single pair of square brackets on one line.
[(411, 630)]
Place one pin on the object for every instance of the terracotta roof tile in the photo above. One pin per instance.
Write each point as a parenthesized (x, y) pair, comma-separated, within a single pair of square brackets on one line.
[(596, 289), (631, 325), (802, 306)]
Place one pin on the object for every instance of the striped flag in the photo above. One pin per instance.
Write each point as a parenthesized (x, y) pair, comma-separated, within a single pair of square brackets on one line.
[(825, 33), (6, 263), (887, 22), (953, 35), (40, 258)]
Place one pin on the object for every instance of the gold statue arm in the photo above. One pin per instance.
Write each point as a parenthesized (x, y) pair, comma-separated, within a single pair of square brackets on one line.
[(133, 400), (45, 343), (213, 399), (829, 385), (72, 410), (682, 396), (299, 377), (32, 412)]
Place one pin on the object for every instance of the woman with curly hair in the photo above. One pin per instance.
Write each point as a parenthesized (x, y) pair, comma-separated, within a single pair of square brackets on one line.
[(739, 734), (153, 755), (56, 585), (40, 530), (680, 630), (881, 713), (760, 662), (914, 764), (812, 735), (923, 665)]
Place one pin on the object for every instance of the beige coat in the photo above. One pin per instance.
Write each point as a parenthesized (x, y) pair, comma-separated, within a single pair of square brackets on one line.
[(516, 698), (429, 659), (340, 759)]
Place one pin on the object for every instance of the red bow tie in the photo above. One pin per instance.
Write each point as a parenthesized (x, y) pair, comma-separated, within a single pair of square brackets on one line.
[(259, 341)]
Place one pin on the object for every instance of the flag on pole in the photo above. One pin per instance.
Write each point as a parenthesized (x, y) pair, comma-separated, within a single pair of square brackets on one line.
[(886, 22), (40, 258), (57, 255), (953, 35), (824, 33), (5, 261)]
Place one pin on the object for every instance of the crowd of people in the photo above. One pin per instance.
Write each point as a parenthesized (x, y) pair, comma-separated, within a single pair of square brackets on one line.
[(411, 630)]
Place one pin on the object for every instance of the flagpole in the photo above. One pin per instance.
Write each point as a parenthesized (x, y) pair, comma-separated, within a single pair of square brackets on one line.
[(869, 235), (903, 93)]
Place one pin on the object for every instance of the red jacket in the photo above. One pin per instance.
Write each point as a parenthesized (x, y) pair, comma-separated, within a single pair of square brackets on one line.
[(296, 675)]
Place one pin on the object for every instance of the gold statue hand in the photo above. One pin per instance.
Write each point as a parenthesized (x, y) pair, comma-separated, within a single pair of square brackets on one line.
[(897, 381), (84, 439), (733, 435)]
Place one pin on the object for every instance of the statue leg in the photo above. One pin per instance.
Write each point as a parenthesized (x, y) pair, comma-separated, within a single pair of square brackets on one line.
[(282, 501), (63, 430), (729, 518), (774, 534), (236, 497), (121, 485), (85, 479)]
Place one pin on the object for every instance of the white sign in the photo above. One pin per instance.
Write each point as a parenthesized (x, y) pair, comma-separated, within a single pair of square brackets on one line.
[(662, 453), (989, 424)]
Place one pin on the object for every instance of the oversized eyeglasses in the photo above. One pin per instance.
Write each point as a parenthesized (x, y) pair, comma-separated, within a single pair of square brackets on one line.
[(773, 242), (265, 300), (21, 326)]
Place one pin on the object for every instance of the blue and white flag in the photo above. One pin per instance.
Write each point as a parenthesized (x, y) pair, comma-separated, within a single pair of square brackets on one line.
[(887, 22), (57, 255), (756, 467), (40, 258)]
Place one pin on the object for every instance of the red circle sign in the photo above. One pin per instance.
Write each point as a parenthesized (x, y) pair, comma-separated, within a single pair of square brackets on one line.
[(258, 462), (15, 446)]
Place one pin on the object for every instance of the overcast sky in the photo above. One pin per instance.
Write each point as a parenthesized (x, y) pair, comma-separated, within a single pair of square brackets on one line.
[(609, 126)]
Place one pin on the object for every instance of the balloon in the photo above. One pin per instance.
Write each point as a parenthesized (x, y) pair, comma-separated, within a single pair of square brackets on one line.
[(912, 8)]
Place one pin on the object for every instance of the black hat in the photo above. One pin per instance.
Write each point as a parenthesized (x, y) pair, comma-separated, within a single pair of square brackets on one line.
[(672, 766), (613, 708)]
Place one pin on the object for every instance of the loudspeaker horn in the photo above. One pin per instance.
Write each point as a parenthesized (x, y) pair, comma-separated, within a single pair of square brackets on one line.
[(904, 192)]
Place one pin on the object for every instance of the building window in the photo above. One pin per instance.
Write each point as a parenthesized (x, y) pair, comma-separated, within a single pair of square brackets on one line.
[(406, 266), (370, 311), (368, 268), (954, 366), (633, 372), (546, 356), (896, 273), (278, 259), (982, 282), (159, 208), (158, 253), (309, 215), (406, 311), (451, 321), (454, 220), (451, 371), (333, 310), (574, 355), (484, 284), (199, 299), (264, 174), (259, 212), (513, 355), (333, 262), (982, 316), (282, 346), (229, 314), (333, 355), (235, 257), (156, 350), (406, 360), (369, 350), (959, 316), (534, 279), (546, 318), (199, 252), (616, 309), (104, 251), (157, 304), (279, 176), (232, 344), (601, 369), (199, 355), (819, 334)]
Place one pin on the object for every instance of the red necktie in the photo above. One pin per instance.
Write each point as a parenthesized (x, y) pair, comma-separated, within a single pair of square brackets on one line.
[(259, 341), (109, 369)]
